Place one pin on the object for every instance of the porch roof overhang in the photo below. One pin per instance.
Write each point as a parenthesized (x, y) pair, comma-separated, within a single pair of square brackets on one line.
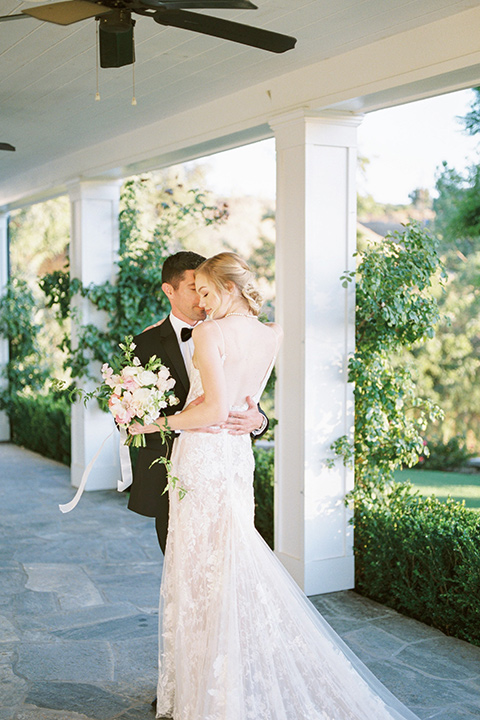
[(197, 95)]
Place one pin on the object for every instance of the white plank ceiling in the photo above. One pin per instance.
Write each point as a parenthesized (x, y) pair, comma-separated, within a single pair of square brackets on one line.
[(47, 72)]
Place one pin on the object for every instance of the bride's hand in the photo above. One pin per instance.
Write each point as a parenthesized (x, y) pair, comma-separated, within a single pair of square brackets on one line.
[(137, 429)]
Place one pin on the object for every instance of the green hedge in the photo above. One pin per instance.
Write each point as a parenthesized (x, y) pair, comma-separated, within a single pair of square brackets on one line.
[(421, 557), (42, 423), (263, 488)]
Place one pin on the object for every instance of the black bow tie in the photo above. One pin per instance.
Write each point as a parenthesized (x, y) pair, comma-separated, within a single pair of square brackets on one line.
[(186, 334)]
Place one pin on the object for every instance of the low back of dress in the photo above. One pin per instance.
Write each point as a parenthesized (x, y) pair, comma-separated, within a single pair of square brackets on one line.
[(248, 349)]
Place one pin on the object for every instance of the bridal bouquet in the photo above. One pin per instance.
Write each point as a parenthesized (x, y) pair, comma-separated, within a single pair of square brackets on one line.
[(135, 393), (132, 393)]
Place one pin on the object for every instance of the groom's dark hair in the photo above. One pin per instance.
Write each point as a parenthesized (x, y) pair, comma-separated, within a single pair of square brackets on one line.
[(175, 266)]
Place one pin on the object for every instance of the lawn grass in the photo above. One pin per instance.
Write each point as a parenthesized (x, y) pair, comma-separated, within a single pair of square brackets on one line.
[(461, 486)]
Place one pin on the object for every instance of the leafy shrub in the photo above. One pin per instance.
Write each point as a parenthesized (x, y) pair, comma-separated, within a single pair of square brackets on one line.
[(421, 557), (395, 309), (42, 423), (263, 488), (26, 365), (444, 455)]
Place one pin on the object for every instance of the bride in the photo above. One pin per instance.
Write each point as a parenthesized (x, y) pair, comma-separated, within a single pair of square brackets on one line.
[(238, 639)]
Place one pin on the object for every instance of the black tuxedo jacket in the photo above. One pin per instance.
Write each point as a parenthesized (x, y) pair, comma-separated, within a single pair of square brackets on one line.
[(149, 483)]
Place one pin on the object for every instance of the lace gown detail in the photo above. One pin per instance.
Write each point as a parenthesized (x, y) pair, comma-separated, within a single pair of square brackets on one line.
[(238, 639)]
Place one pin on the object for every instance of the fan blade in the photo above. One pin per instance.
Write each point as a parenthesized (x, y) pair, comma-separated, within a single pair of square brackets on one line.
[(7, 146), (3, 18), (205, 4), (65, 13), (226, 29)]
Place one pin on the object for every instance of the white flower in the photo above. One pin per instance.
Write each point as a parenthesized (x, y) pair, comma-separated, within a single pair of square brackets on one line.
[(106, 370), (115, 382), (147, 377), (129, 372), (136, 361), (140, 398), (164, 384)]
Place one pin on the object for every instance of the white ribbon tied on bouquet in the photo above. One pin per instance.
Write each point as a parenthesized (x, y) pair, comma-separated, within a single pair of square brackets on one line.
[(124, 481)]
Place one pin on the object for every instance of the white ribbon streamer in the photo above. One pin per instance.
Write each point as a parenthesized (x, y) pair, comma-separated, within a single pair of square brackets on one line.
[(125, 466), (126, 477)]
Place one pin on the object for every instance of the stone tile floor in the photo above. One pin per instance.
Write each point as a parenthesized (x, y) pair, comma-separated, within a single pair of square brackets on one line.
[(78, 612)]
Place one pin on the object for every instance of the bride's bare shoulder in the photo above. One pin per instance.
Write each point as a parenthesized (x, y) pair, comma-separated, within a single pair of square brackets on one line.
[(276, 328), (205, 329)]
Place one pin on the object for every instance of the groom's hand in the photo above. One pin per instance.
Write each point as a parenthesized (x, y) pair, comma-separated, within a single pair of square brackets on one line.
[(244, 422)]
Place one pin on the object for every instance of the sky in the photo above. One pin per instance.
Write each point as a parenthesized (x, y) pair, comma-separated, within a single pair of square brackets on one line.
[(404, 145)]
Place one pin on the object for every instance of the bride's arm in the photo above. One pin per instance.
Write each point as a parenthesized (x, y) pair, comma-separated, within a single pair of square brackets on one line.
[(214, 408)]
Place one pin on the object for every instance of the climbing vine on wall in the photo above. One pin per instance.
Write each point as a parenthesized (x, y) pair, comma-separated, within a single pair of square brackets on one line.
[(154, 220), (395, 309)]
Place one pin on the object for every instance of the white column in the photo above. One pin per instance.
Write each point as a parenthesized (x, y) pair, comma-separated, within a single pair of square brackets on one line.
[(93, 251), (316, 234), (4, 264)]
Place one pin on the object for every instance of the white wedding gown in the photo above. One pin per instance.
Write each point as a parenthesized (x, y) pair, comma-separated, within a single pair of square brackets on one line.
[(238, 639)]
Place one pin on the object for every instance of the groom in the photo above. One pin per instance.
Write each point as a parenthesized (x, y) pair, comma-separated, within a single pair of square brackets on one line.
[(170, 340)]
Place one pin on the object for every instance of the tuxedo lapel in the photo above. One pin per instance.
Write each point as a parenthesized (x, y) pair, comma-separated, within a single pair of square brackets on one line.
[(173, 354)]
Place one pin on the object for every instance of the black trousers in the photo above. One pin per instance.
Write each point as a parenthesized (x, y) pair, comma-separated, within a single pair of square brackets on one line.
[(161, 526)]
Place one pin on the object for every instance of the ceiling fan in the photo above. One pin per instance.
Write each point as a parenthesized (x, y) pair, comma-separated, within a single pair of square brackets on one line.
[(116, 23)]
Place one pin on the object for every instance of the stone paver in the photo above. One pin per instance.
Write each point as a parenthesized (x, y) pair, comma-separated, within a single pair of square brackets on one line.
[(78, 612)]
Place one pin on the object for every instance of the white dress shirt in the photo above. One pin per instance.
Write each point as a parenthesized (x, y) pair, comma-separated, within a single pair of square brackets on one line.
[(187, 347)]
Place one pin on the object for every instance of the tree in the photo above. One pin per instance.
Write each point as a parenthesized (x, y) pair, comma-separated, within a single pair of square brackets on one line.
[(39, 238), (446, 367), (457, 210), (420, 198), (472, 119)]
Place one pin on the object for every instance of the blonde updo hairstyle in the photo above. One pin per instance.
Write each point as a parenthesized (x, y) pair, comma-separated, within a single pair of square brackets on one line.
[(228, 268)]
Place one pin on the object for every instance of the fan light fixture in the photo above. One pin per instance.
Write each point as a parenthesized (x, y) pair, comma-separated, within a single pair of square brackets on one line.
[(116, 23)]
